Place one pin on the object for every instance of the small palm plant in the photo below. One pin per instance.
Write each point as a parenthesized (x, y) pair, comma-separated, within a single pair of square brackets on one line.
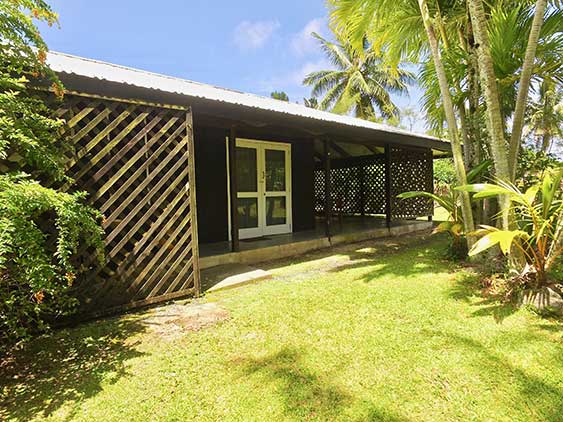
[(536, 241), (450, 200)]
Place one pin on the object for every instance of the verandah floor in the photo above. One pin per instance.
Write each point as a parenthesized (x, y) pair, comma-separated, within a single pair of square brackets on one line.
[(344, 230)]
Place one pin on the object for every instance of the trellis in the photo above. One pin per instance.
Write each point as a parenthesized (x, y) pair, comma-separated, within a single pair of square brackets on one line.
[(358, 185), (136, 162), (411, 169)]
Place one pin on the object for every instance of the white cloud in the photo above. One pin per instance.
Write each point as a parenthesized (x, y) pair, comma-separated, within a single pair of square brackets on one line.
[(309, 67), (292, 82), (253, 35), (303, 42)]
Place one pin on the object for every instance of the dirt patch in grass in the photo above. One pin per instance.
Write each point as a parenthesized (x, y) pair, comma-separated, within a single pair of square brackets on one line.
[(173, 320)]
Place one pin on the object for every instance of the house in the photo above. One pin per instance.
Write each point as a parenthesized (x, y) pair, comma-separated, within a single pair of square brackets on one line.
[(272, 178)]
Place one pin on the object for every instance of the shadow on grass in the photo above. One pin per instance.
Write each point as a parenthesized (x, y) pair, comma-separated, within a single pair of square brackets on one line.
[(418, 255), (304, 394), (469, 286), (542, 399), (65, 368)]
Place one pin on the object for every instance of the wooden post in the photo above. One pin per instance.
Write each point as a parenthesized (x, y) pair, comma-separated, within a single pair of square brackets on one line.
[(193, 202), (328, 189), (388, 199), (431, 184), (362, 176), (235, 246)]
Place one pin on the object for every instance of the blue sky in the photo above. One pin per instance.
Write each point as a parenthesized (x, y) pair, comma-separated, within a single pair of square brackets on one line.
[(251, 45)]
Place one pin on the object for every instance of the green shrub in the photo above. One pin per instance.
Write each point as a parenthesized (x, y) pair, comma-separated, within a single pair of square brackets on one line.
[(40, 232), (42, 229), (536, 241)]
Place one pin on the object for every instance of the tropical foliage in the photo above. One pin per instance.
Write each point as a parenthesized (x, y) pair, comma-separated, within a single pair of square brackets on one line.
[(536, 241), (545, 117), (449, 199), (41, 228), (361, 82), (482, 64), (279, 95)]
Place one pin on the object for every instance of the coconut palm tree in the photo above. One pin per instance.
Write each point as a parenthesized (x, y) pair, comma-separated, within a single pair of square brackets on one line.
[(544, 119), (409, 26), (492, 53), (524, 86), (360, 83)]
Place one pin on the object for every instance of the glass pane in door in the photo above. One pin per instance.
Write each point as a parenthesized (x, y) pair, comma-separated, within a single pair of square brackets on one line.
[(247, 170), (275, 211), (275, 170), (247, 212)]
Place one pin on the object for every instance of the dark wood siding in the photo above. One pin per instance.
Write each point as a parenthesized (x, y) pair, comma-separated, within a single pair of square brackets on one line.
[(303, 193), (211, 179)]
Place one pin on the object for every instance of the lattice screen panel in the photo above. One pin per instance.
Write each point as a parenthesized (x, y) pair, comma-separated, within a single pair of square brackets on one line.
[(411, 170), (375, 186), (136, 163), (360, 188), (355, 189)]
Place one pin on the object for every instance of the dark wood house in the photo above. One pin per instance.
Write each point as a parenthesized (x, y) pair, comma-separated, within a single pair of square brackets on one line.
[(189, 175)]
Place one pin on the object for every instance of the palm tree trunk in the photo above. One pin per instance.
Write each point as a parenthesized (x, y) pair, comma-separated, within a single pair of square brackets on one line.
[(467, 147), (524, 86), (450, 116), (495, 123)]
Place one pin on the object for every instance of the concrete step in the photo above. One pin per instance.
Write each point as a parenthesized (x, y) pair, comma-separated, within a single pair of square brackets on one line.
[(230, 276)]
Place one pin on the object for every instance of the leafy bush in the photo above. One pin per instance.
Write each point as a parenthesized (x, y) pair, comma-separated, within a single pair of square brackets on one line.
[(532, 165), (444, 171), (536, 242), (41, 229), (40, 232)]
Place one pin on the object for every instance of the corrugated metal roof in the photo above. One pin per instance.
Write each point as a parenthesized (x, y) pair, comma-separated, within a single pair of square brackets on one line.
[(66, 63)]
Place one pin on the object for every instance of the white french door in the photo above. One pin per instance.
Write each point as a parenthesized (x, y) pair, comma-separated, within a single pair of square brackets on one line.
[(264, 188)]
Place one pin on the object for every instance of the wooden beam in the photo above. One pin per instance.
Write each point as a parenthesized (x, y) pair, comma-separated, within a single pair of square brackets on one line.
[(235, 245), (372, 148), (388, 205), (339, 149), (328, 190), (354, 161)]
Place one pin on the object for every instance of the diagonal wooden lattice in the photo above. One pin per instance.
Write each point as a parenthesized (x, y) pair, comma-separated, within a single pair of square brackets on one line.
[(136, 163)]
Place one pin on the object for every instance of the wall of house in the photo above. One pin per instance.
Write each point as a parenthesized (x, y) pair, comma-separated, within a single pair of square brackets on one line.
[(211, 183)]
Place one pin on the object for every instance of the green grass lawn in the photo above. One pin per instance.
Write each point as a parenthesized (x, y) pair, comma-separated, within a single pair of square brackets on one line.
[(380, 331)]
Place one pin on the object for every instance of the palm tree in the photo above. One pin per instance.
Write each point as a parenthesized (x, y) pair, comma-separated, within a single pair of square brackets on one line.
[(545, 116), (361, 83), (495, 122), (524, 86), (409, 30), (449, 112)]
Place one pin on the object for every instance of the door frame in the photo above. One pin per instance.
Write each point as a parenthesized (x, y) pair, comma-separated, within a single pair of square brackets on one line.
[(263, 229)]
